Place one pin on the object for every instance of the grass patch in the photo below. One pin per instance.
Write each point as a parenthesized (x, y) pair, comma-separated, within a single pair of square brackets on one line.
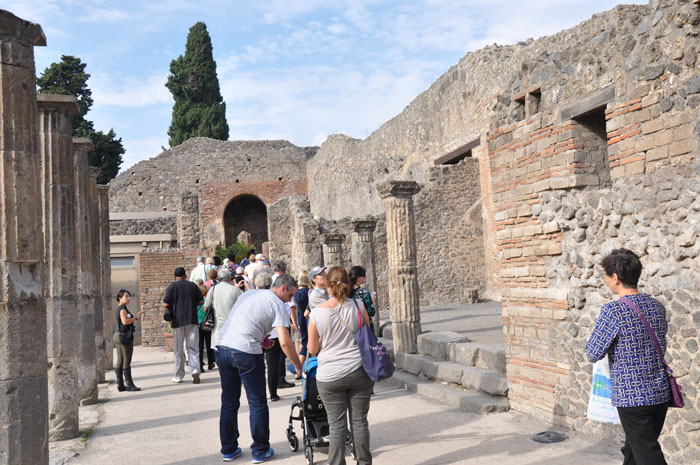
[(86, 435)]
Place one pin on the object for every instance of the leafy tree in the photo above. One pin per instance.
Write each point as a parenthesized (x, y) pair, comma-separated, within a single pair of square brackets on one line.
[(199, 109), (239, 248), (107, 155), (69, 78)]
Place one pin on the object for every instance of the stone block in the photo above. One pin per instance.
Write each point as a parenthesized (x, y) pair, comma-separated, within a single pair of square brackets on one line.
[(63, 398), (491, 357), (410, 363), (22, 326), (464, 353), (637, 167), (62, 329), (681, 148), (657, 153), (486, 381), (435, 344)]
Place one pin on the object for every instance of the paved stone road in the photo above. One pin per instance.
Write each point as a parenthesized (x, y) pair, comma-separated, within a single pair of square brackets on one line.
[(178, 424)]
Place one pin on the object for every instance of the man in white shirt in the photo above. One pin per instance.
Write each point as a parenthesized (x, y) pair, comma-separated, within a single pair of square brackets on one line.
[(254, 268), (199, 271), (240, 359)]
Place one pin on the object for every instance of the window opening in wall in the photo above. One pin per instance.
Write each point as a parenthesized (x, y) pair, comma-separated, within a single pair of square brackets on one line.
[(591, 132), (518, 111), (122, 262), (459, 154), (533, 100)]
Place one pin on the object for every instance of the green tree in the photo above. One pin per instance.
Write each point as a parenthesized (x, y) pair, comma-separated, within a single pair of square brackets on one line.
[(68, 77), (199, 109)]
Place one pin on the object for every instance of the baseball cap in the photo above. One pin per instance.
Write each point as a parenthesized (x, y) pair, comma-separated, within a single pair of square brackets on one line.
[(260, 257), (317, 270)]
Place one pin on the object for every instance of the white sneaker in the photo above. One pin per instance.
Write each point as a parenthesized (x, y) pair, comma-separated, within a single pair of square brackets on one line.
[(176, 380)]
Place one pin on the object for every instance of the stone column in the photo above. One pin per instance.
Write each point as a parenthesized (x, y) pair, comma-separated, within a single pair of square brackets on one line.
[(96, 267), (108, 319), (244, 236), (188, 214), (333, 250), (24, 394), (60, 280), (403, 277), (87, 369), (363, 254)]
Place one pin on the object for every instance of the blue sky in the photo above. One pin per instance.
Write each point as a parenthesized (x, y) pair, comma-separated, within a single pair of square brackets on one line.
[(289, 69)]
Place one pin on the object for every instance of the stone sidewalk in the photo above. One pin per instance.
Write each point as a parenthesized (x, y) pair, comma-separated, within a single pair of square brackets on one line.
[(178, 424)]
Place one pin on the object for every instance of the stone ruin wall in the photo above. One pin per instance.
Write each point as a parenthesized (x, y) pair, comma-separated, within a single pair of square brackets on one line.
[(559, 189), (216, 171)]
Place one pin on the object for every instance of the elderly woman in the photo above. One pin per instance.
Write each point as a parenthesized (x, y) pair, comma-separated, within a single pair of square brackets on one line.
[(640, 386), (342, 382)]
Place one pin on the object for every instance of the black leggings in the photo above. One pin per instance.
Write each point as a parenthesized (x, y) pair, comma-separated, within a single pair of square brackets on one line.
[(205, 338), (124, 353), (642, 427)]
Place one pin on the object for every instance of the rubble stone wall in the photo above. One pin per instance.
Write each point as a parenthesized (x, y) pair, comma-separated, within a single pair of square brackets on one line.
[(167, 225)]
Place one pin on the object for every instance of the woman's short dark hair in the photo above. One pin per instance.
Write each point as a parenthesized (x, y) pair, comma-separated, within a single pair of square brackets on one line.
[(355, 273), (250, 252), (121, 293), (217, 260), (231, 258), (625, 264)]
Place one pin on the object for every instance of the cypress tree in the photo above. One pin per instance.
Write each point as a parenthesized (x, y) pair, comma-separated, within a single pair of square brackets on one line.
[(199, 109)]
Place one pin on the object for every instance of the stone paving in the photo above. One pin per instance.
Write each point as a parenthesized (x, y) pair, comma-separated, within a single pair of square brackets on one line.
[(178, 424)]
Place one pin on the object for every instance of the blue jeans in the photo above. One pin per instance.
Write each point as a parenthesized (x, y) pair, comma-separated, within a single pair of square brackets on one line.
[(236, 367)]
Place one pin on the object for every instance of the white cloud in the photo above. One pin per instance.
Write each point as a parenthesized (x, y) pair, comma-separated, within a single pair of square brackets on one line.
[(141, 149), (130, 93)]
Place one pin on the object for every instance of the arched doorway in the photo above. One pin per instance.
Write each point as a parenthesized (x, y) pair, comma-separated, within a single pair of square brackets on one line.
[(246, 213)]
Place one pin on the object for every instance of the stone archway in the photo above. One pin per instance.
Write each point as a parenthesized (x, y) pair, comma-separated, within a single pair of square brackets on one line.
[(246, 213)]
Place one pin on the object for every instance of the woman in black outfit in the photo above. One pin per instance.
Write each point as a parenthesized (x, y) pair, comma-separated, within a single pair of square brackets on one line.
[(124, 342)]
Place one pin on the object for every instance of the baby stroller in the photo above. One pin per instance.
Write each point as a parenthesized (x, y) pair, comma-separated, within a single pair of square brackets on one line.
[(308, 409)]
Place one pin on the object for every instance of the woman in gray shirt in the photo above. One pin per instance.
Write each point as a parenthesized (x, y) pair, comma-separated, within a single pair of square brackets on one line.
[(341, 380)]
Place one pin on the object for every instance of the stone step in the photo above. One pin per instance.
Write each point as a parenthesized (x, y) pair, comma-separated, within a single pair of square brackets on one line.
[(436, 344), (469, 377), (486, 356), (469, 401)]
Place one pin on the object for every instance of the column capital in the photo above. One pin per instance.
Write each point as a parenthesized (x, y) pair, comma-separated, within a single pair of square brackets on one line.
[(363, 225), (64, 103), (398, 189), (103, 189), (82, 144), (94, 172), (25, 31), (333, 238)]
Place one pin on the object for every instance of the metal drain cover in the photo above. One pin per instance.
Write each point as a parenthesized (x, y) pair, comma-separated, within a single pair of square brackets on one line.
[(548, 437)]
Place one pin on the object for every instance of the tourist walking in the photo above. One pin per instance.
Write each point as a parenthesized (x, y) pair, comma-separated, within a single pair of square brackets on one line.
[(182, 298), (318, 294), (199, 271), (342, 381), (640, 386), (211, 282), (255, 266), (249, 258), (240, 360), (124, 342), (204, 334), (222, 297), (301, 297), (358, 278)]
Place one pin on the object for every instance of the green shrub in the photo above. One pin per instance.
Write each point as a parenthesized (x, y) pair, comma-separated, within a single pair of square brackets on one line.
[(240, 248)]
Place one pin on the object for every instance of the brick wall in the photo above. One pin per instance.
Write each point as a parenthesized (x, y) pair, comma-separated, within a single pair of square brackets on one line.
[(155, 274)]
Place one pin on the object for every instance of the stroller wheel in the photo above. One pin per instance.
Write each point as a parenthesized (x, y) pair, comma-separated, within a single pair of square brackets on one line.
[(309, 453), (293, 442)]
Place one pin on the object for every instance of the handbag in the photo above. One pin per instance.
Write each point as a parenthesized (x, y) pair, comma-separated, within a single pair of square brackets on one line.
[(676, 391), (209, 320), (168, 314), (127, 337), (375, 358), (600, 406)]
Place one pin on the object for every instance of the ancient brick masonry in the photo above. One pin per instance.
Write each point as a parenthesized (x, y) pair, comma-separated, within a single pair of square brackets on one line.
[(23, 376), (156, 273)]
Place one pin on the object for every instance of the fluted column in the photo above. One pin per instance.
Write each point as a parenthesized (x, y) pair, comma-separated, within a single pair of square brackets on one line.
[(363, 254), (23, 386), (60, 279), (403, 276), (108, 319), (96, 268), (87, 370), (333, 250)]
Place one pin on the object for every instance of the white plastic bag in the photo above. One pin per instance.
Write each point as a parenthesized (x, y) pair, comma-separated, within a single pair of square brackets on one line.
[(600, 406)]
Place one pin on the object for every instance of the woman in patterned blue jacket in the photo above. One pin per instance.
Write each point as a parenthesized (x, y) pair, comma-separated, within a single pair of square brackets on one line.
[(640, 387)]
